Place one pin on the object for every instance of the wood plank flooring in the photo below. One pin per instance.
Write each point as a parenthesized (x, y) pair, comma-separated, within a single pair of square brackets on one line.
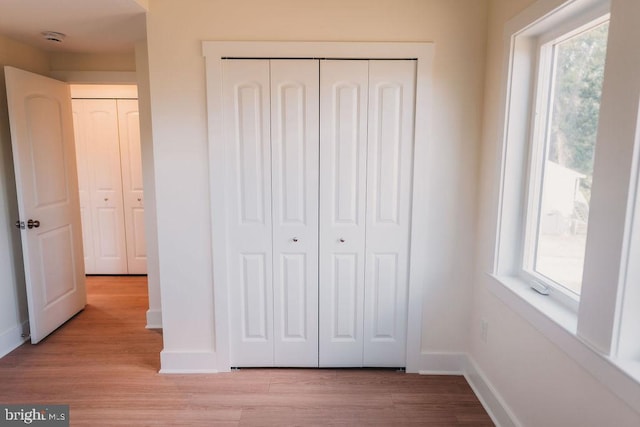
[(104, 363)]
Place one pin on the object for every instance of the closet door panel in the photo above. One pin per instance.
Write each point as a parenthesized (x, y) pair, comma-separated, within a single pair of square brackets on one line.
[(132, 189), (294, 162), (102, 148), (84, 188), (343, 151), (249, 223), (389, 172)]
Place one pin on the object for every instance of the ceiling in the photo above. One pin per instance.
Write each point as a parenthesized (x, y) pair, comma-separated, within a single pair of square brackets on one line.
[(91, 26)]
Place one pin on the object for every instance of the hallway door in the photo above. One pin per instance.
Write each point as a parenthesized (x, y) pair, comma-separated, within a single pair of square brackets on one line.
[(48, 202)]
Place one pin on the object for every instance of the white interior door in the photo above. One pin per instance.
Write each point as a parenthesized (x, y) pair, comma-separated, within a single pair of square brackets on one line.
[(343, 178), (389, 173), (44, 157), (132, 188), (247, 121), (97, 123), (294, 163)]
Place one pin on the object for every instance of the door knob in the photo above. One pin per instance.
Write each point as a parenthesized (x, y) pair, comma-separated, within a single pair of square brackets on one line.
[(33, 224), (341, 240), (20, 225), (295, 240)]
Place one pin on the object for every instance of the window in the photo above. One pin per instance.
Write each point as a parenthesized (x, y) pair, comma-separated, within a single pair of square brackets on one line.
[(567, 104), (557, 183)]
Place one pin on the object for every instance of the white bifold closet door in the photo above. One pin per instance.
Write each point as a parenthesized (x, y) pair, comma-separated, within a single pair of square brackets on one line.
[(271, 127), (132, 187), (366, 151), (319, 167), (99, 179), (107, 135)]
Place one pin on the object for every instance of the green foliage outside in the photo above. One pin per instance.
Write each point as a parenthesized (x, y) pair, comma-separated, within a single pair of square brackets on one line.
[(576, 101)]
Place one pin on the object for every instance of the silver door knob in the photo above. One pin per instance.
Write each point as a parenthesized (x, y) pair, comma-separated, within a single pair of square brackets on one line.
[(33, 224)]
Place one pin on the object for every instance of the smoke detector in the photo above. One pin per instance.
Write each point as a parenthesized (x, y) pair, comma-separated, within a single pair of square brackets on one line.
[(53, 36)]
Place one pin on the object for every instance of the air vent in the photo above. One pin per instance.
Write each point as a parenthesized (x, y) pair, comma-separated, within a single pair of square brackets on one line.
[(53, 36)]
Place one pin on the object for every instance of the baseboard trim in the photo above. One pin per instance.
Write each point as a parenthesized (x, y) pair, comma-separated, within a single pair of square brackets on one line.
[(154, 319), (188, 362), (12, 338), (492, 401), (442, 363), (463, 364)]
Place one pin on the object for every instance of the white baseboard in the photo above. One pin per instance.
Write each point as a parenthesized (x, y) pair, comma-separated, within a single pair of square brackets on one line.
[(463, 364), (12, 338), (154, 319), (493, 403), (442, 363), (188, 362)]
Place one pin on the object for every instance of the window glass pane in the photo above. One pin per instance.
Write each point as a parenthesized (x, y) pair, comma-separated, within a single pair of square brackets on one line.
[(568, 168)]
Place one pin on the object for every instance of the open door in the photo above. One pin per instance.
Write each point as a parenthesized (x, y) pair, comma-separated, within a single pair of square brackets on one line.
[(48, 202)]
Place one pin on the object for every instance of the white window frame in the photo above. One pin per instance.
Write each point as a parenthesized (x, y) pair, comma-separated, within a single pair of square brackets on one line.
[(537, 152), (600, 330)]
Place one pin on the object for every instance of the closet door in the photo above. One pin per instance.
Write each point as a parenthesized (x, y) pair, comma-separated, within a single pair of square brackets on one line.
[(343, 157), (132, 188), (84, 188), (389, 172), (294, 163), (98, 132), (247, 121)]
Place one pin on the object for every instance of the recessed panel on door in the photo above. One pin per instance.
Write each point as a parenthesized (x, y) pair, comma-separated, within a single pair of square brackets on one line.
[(294, 163), (343, 156), (389, 164), (47, 150), (247, 121)]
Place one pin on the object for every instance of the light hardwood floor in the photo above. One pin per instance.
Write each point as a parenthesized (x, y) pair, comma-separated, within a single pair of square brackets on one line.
[(104, 364)]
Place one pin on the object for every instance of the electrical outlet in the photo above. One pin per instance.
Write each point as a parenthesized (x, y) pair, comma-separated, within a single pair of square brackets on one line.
[(484, 330)]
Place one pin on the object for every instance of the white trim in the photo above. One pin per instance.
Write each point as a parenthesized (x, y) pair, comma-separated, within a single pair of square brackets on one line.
[(561, 331), (154, 319), (491, 400), (106, 91), (214, 53), (95, 77), (463, 364), (188, 362), (12, 338)]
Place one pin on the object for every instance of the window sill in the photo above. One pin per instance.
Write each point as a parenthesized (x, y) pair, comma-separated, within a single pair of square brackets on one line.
[(558, 323), (514, 291)]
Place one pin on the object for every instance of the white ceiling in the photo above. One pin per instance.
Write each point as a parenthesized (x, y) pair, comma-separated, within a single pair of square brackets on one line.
[(91, 26)]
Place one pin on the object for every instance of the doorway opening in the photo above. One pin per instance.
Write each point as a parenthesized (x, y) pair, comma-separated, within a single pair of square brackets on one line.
[(108, 155)]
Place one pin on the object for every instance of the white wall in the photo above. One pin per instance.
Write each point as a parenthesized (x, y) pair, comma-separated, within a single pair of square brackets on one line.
[(154, 314), (13, 300), (540, 384), (175, 33)]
